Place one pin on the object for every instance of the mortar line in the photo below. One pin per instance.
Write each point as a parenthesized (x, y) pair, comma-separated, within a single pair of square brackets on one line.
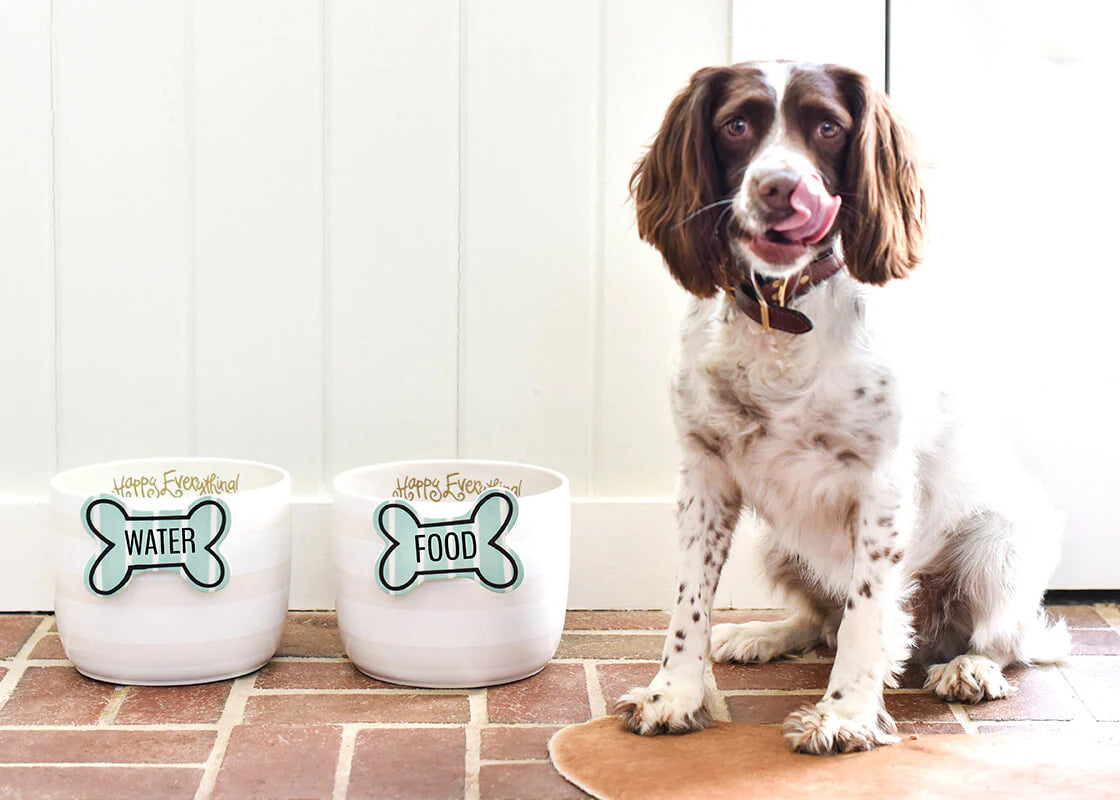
[(480, 715), (232, 715), (109, 713), (20, 661), (345, 760), (1110, 613), (99, 764), (387, 692), (594, 691), (962, 717), (721, 712), (149, 728), (804, 690)]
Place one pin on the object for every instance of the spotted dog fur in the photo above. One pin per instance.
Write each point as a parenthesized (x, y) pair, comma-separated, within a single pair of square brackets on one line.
[(894, 526)]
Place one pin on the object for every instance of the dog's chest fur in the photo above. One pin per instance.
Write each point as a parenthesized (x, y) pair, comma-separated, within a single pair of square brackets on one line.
[(799, 420)]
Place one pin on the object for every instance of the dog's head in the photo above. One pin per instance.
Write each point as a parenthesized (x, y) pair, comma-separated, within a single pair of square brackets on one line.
[(762, 165)]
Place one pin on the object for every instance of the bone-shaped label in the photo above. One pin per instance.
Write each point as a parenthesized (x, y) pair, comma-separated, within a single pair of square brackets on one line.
[(163, 540), (419, 549)]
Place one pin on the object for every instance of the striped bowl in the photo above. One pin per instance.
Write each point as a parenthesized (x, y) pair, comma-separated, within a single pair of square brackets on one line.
[(451, 631), (159, 629)]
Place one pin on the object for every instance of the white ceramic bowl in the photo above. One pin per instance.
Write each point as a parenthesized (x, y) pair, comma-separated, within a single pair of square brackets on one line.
[(171, 570), (451, 606)]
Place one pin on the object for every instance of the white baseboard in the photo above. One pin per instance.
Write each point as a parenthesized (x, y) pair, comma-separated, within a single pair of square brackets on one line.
[(623, 554)]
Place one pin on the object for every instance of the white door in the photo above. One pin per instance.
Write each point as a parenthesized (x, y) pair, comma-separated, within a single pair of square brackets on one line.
[(1015, 106)]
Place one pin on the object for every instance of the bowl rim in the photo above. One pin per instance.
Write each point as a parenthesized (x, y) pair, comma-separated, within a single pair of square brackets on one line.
[(283, 478), (338, 490)]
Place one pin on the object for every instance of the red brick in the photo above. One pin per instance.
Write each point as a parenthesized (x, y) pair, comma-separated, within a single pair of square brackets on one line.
[(521, 781), (1032, 726), (1096, 680), (316, 675), (409, 764), (49, 648), (105, 745), (279, 761), (157, 705), (918, 708), (766, 709), (1042, 694), (311, 634), (606, 645), (100, 783), (342, 708), (55, 696), (517, 742), (14, 632), (741, 615), (616, 620), (617, 679), (779, 675), (1096, 643), (1078, 616), (558, 693), (914, 729)]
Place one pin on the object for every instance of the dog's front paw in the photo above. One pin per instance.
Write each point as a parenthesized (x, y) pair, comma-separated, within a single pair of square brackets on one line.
[(750, 642), (822, 729), (650, 711), (968, 678)]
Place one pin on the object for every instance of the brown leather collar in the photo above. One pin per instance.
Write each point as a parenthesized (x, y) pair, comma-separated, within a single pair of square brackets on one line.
[(778, 292)]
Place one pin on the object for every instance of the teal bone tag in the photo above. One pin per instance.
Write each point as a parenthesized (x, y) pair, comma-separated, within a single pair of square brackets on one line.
[(470, 547), (169, 540)]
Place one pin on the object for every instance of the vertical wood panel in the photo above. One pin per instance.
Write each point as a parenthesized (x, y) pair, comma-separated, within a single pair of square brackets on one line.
[(530, 173), (27, 402), (852, 33), (257, 166), (393, 237), (120, 213), (650, 50)]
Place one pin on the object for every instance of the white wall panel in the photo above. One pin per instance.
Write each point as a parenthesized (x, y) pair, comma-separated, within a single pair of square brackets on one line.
[(852, 32), (530, 174), (257, 223), (120, 215), (393, 240), (27, 403), (649, 52)]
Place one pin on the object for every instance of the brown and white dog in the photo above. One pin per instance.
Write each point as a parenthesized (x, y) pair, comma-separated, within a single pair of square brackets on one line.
[(780, 195)]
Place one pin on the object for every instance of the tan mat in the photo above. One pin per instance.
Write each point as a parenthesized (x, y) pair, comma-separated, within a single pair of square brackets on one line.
[(731, 762)]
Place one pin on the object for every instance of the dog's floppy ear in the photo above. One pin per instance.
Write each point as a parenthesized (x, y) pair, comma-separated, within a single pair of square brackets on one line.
[(678, 177), (883, 215)]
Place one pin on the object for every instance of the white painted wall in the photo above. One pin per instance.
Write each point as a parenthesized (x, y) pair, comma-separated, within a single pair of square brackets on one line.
[(334, 232)]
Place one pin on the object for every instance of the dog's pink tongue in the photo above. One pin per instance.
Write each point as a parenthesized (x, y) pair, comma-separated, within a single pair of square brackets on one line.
[(814, 211)]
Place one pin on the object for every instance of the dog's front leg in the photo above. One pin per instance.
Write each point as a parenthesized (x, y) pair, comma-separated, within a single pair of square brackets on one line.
[(708, 507), (874, 636)]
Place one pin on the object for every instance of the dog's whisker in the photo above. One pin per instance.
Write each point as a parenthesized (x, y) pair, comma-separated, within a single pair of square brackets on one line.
[(700, 211)]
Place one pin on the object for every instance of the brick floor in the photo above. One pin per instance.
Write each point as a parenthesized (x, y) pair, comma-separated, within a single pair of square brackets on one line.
[(310, 725), (156, 705)]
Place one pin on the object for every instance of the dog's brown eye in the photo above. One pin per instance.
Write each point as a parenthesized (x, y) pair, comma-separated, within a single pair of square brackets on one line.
[(828, 129), (737, 128)]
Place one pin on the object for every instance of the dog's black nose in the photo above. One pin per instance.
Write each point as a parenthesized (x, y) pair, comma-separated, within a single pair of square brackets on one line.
[(774, 189)]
